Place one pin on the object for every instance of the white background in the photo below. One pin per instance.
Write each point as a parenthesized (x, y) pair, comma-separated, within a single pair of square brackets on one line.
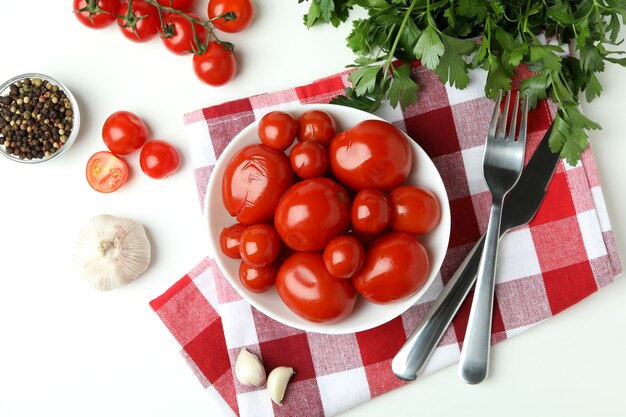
[(67, 350)]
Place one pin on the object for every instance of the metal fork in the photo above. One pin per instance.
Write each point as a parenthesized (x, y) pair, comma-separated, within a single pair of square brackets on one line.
[(503, 161)]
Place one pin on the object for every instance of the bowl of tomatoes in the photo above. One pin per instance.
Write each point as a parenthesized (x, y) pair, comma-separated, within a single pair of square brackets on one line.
[(327, 218)]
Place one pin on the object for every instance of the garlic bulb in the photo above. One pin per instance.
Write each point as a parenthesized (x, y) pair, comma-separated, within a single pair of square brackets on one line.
[(277, 382), (249, 369), (111, 251)]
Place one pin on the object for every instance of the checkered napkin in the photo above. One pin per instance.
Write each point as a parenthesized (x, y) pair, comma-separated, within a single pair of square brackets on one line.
[(566, 253)]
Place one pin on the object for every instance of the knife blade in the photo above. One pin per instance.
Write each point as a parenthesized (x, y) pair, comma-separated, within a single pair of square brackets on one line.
[(519, 208)]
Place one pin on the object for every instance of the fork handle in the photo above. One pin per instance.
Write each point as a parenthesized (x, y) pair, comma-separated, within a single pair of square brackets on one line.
[(474, 361)]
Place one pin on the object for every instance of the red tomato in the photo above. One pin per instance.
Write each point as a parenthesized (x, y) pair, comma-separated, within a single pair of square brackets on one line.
[(372, 154), (178, 36), (158, 159), (370, 211), (96, 19), (243, 10), (106, 172), (309, 160), (316, 125), (312, 213), (254, 180), (277, 130), (343, 256), (230, 238), (177, 4), (216, 66), (414, 210), (306, 287), (145, 18), (123, 132), (260, 245), (395, 267), (257, 279)]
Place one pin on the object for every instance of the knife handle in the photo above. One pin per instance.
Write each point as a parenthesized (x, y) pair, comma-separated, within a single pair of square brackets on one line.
[(410, 360)]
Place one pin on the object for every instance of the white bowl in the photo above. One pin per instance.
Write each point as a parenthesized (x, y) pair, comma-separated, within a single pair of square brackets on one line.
[(366, 315)]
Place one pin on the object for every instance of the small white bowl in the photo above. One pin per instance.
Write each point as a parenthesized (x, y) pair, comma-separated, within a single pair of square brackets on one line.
[(366, 315)]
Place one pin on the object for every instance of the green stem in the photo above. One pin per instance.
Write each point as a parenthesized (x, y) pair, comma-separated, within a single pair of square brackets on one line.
[(392, 51)]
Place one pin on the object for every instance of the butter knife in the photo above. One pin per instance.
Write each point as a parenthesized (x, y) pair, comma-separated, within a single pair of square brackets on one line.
[(519, 208)]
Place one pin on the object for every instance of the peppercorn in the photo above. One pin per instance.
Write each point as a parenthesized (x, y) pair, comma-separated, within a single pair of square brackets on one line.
[(35, 119)]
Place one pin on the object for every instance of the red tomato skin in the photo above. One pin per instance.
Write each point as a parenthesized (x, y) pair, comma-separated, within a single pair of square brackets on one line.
[(372, 154), (177, 4), (145, 28), (257, 279), (182, 40), (260, 245), (98, 20), (370, 211), (312, 213), (414, 210), (244, 14), (106, 172), (230, 238), (316, 125), (277, 129), (343, 256), (308, 160), (254, 180), (307, 289), (123, 132), (216, 66), (158, 159), (395, 267)]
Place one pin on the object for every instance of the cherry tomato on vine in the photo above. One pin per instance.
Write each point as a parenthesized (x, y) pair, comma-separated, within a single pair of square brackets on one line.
[(216, 66), (316, 125), (145, 18), (158, 159), (177, 4), (260, 245), (106, 172), (306, 287), (97, 19), (123, 132), (257, 279), (230, 238), (178, 36), (370, 211), (414, 210), (343, 256), (243, 10), (309, 160), (277, 130)]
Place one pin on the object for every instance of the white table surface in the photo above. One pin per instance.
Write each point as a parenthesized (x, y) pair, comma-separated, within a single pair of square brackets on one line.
[(68, 350)]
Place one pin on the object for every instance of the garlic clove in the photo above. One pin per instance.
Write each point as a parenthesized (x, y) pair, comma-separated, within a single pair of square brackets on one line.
[(249, 369), (277, 382), (111, 251)]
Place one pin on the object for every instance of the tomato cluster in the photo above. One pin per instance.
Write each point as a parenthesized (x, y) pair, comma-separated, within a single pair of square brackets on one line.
[(181, 31), (123, 133), (331, 220)]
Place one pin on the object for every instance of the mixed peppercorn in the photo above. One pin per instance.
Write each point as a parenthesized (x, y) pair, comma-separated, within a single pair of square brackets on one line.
[(36, 119)]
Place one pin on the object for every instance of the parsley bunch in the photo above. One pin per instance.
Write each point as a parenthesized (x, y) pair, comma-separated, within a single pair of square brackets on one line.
[(452, 36)]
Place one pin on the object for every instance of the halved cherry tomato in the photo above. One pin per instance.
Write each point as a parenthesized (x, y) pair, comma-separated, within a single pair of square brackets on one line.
[(260, 245), (372, 154), (316, 125), (254, 180), (177, 4), (257, 279), (414, 210), (216, 66), (277, 130), (146, 18), (343, 256), (158, 159), (230, 238), (178, 36), (309, 160), (97, 20), (370, 211), (306, 287), (106, 172), (396, 267), (123, 132), (243, 10), (312, 213)]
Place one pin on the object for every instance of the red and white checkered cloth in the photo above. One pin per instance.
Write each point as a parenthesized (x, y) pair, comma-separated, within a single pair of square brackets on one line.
[(566, 253)]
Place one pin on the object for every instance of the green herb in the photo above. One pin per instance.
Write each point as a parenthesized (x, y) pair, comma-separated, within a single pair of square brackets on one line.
[(450, 37)]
